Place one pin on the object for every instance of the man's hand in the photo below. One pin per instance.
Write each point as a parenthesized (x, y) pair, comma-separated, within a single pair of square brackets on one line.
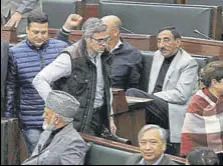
[(14, 20), (113, 128), (72, 21)]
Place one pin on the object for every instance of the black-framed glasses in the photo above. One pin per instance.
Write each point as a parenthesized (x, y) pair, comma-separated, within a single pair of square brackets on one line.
[(101, 41)]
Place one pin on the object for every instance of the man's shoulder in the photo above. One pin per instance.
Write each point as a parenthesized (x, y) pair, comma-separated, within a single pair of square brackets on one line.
[(128, 47), (19, 46), (167, 161)]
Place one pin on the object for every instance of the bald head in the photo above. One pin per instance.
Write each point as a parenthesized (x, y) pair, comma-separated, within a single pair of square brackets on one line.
[(113, 29), (112, 21)]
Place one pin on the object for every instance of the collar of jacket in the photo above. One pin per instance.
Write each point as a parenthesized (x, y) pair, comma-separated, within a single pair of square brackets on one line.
[(44, 45)]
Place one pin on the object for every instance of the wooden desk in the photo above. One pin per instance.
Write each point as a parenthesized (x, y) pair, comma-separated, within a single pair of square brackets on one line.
[(9, 34), (129, 115)]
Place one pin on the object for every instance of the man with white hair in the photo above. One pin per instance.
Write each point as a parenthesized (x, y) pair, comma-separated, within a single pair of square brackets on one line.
[(60, 143), (152, 141)]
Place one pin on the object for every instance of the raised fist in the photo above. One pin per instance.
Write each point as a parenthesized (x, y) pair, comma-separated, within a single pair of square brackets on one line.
[(72, 21)]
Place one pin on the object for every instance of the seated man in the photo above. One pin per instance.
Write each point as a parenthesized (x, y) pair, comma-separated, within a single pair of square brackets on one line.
[(60, 143), (203, 120), (173, 78), (202, 156), (152, 143)]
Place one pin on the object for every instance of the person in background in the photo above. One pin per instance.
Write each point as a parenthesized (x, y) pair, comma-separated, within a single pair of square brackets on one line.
[(60, 143), (202, 156), (83, 70), (26, 59), (17, 11), (172, 82), (204, 116), (4, 69), (126, 60), (152, 141)]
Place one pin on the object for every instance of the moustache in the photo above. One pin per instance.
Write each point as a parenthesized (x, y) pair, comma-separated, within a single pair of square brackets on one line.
[(163, 49)]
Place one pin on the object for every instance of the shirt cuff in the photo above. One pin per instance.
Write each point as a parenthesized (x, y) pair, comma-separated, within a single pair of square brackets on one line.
[(65, 30)]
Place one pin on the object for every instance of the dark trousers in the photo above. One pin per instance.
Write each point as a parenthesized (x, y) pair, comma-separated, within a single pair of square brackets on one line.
[(157, 109), (97, 122)]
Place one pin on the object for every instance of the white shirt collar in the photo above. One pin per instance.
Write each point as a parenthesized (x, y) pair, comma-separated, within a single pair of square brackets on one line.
[(143, 161), (116, 46)]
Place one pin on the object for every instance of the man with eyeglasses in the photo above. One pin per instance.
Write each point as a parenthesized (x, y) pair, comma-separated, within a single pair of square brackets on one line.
[(82, 70), (126, 60)]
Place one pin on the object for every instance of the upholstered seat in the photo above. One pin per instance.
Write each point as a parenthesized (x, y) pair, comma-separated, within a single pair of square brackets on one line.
[(147, 18)]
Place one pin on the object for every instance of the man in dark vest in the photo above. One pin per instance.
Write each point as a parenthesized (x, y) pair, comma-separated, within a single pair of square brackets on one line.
[(83, 70)]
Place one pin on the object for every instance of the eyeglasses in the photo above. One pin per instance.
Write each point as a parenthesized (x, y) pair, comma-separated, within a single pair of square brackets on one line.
[(101, 41)]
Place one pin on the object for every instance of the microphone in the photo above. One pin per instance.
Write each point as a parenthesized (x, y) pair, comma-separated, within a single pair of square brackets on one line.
[(127, 30), (202, 34)]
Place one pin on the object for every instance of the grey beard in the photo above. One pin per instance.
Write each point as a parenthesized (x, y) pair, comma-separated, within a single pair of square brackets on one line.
[(49, 127)]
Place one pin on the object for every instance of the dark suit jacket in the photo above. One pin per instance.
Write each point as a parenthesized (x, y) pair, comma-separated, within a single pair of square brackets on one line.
[(136, 158), (4, 67)]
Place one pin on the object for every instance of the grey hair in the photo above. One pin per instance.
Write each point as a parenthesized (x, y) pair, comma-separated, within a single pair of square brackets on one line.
[(91, 26), (163, 133)]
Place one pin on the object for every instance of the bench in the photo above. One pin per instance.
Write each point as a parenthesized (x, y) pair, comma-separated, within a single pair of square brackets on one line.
[(106, 152), (155, 15)]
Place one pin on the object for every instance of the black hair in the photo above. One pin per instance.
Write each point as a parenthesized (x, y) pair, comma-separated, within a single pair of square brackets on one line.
[(37, 16), (173, 30), (202, 156)]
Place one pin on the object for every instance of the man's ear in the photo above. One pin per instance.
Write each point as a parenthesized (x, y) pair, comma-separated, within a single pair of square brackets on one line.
[(56, 119), (164, 146), (27, 29), (178, 40), (213, 82)]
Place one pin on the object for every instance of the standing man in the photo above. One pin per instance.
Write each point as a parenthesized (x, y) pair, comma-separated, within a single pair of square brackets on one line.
[(152, 141), (83, 71), (26, 59), (4, 69), (126, 60), (173, 79), (18, 11), (60, 143)]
